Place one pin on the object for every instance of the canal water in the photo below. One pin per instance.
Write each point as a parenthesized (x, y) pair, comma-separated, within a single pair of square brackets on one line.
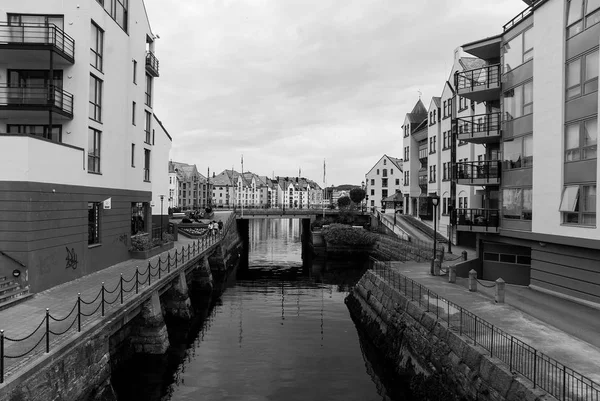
[(279, 331)]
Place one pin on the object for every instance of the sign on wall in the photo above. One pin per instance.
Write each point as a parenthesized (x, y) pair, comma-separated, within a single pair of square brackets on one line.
[(107, 203)]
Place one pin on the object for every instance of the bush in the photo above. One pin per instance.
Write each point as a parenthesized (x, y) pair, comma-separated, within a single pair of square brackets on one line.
[(143, 242), (340, 234)]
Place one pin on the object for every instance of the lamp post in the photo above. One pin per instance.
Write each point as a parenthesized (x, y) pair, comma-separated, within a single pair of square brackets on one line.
[(435, 200), (162, 197)]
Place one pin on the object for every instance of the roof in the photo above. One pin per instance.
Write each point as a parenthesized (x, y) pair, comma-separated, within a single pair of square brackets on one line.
[(186, 172), (418, 113), (437, 101), (395, 161), (471, 63), (162, 126)]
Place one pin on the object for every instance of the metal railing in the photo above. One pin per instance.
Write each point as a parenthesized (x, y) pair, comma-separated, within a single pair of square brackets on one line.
[(51, 328), (520, 17), (486, 124), (30, 34), (152, 63), (542, 370), (488, 218), (484, 77), (423, 181), (488, 170), (50, 96)]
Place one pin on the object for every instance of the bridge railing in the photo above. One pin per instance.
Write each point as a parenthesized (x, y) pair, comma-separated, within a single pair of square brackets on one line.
[(15, 351)]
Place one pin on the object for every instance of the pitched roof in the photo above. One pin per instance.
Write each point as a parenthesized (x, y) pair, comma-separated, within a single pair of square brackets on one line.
[(395, 161), (437, 100)]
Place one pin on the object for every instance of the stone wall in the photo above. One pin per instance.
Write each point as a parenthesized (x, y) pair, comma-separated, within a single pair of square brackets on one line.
[(442, 364)]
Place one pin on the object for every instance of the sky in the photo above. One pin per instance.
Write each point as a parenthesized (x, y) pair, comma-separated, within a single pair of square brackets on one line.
[(291, 83)]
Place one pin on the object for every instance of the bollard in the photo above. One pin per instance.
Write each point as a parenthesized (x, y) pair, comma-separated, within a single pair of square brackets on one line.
[(436, 267), (500, 291), (473, 281), (452, 274), (464, 255)]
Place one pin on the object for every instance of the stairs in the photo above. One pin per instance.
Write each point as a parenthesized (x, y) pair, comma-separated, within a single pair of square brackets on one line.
[(12, 293), (422, 227)]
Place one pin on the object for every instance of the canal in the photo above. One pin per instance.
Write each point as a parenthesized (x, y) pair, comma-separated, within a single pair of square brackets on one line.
[(279, 331)]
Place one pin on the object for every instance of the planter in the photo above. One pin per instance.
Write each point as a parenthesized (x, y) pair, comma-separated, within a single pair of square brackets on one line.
[(148, 253)]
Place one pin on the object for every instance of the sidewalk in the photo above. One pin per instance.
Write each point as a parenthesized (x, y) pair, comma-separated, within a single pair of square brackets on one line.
[(563, 330)]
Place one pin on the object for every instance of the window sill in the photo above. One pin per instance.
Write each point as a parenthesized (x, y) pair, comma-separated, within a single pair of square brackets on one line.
[(151, 181), (432, 153), (94, 172), (577, 225), (96, 121), (90, 246)]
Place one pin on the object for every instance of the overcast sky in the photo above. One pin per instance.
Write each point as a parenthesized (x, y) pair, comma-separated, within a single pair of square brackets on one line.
[(288, 83)]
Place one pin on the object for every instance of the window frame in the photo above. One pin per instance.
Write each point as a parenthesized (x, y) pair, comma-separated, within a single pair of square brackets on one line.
[(147, 127), (98, 51), (582, 147), (583, 80), (523, 105), (95, 98), (524, 214), (96, 155), (575, 214), (133, 157), (583, 22), (148, 99), (147, 164), (526, 54)]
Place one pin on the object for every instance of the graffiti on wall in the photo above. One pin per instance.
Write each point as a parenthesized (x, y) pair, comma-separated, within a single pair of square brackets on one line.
[(71, 259), (122, 239)]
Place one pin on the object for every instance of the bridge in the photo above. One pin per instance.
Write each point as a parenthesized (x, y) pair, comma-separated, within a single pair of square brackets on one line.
[(278, 213)]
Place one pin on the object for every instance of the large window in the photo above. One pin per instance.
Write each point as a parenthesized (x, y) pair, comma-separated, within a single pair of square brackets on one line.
[(146, 164), (42, 131), (95, 98), (384, 182), (432, 144), (406, 153), (138, 217), (432, 173), (117, 9), (518, 152), (581, 140), (518, 101), (518, 50), (578, 204), (582, 75), (148, 126), (97, 45), (93, 151), (581, 14), (517, 203), (148, 90), (93, 223)]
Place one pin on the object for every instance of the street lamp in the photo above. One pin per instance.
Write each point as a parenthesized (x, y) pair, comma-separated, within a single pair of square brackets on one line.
[(162, 197), (435, 200)]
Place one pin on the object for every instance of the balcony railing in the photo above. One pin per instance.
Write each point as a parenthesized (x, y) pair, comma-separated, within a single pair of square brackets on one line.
[(36, 97), (481, 220), (479, 127), (479, 172), (423, 153), (151, 64), (423, 181), (31, 35), (520, 17), (486, 77)]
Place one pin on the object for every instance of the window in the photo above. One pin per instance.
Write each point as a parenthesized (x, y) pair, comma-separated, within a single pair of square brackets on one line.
[(578, 204), (444, 205), (93, 151), (397, 181), (576, 10), (384, 182), (138, 217), (133, 157), (582, 75), (432, 144), (384, 172), (446, 143), (93, 223), (406, 153), (518, 50), (97, 44), (518, 152), (133, 113), (406, 128), (384, 162), (153, 135), (445, 103), (95, 98), (117, 9), (581, 140), (147, 126), (518, 101), (134, 71), (432, 173), (391, 171), (406, 178), (42, 131), (517, 203), (377, 171), (146, 164), (372, 181), (384, 193), (148, 90)]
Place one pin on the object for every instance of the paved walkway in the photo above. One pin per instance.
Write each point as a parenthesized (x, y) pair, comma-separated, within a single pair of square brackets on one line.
[(24, 318), (563, 330)]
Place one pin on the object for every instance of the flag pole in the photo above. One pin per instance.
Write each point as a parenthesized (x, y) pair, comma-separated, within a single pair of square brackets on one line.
[(242, 177), (325, 187)]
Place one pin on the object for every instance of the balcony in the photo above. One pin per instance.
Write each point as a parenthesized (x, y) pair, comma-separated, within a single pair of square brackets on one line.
[(478, 220), (481, 84), (36, 98), (480, 129), (37, 37), (151, 64), (423, 153), (423, 180), (478, 173)]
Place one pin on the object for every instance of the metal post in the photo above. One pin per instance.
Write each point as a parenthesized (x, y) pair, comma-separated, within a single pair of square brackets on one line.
[(47, 330), (492, 343), (461, 320), (564, 386), (511, 353), (161, 216), (159, 266), (475, 337), (78, 311), (1, 356), (121, 287), (137, 280), (182, 253), (149, 274), (103, 298), (534, 367)]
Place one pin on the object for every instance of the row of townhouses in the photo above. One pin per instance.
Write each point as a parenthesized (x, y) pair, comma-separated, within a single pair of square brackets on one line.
[(83, 157), (510, 148)]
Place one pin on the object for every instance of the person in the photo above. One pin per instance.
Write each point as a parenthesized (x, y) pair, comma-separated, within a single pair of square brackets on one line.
[(215, 227), (210, 227), (220, 226)]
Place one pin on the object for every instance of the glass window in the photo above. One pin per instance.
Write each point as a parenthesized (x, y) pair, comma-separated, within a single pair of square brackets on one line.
[(527, 203), (572, 142), (148, 126), (95, 99), (528, 151), (528, 98), (490, 256), (513, 53), (513, 103), (591, 72), (97, 44), (513, 153), (133, 157), (93, 150), (575, 8), (148, 90), (590, 139), (523, 260), (146, 165), (574, 79), (569, 198), (506, 258), (93, 223), (592, 5), (527, 45), (512, 203)]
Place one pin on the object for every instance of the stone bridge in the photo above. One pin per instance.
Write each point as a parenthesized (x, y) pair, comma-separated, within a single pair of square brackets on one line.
[(283, 213)]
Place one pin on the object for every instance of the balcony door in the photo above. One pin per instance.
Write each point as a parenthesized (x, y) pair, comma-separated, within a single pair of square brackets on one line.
[(36, 28), (32, 86)]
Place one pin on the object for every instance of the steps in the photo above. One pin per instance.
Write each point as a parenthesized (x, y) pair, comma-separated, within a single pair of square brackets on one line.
[(12, 293), (422, 227)]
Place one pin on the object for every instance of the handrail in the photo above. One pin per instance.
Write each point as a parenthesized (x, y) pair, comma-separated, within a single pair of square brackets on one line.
[(478, 170), (28, 34), (540, 369), (486, 76), (519, 17), (479, 124), (13, 259), (481, 217), (36, 95)]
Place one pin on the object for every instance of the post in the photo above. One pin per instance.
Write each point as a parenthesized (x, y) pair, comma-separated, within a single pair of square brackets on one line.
[(162, 197), (78, 311), (452, 274), (473, 281), (1, 356), (137, 280), (149, 274), (47, 330), (121, 287), (103, 298), (434, 200), (500, 290), (534, 367), (169, 262)]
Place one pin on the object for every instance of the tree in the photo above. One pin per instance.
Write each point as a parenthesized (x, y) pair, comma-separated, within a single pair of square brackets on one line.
[(344, 202), (357, 195)]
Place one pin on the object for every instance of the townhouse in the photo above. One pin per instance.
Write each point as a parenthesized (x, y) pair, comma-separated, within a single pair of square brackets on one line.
[(383, 180), (188, 189)]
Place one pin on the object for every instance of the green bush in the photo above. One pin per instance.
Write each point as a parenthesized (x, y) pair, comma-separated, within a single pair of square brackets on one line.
[(144, 242), (341, 234)]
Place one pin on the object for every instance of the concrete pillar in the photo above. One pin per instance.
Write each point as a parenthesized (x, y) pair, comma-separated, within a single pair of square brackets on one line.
[(202, 278), (452, 274), (177, 300), (500, 290), (473, 281), (216, 261), (436, 267), (149, 334)]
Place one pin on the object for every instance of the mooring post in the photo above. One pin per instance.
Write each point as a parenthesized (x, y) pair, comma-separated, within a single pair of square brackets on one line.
[(473, 281), (436, 267), (103, 298), (1, 356), (500, 290), (452, 274)]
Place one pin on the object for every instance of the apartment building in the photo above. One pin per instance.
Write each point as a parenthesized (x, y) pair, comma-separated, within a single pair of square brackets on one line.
[(223, 188), (384, 179), (77, 142), (188, 189), (537, 222)]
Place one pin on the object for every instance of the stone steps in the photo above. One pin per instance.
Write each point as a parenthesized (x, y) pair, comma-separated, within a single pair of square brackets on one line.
[(11, 293)]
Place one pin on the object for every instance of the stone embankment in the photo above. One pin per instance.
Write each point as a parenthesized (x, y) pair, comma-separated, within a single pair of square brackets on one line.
[(442, 364)]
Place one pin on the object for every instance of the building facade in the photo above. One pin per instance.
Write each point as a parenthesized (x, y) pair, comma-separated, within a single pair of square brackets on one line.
[(77, 142), (384, 179), (188, 189)]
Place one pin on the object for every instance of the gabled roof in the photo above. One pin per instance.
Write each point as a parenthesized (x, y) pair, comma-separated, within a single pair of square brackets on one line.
[(437, 101), (186, 172), (418, 113), (395, 161)]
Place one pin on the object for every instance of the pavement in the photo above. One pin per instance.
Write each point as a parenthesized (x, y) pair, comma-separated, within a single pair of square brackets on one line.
[(562, 329)]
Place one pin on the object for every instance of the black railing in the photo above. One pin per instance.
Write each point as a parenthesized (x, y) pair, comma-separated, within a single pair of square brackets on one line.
[(487, 218), (38, 96), (520, 17), (16, 351), (541, 370), (488, 170), (151, 63), (485, 77), (37, 34), (481, 124)]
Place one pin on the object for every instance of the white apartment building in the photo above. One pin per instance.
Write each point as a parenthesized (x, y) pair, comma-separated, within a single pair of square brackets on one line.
[(77, 135), (385, 178)]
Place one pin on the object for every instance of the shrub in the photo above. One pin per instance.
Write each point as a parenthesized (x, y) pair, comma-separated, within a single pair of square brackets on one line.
[(143, 242), (340, 234)]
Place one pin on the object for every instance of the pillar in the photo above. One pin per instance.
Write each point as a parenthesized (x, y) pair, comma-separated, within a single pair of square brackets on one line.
[(500, 291), (177, 301), (202, 278), (473, 281), (149, 334)]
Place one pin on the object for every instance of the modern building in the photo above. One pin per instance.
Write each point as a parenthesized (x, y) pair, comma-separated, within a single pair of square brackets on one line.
[(536, 220), (78, 139), (384, 179)]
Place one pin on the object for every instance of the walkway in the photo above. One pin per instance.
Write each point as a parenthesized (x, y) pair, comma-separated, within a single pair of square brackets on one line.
[(563, 330), (22, 319)]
